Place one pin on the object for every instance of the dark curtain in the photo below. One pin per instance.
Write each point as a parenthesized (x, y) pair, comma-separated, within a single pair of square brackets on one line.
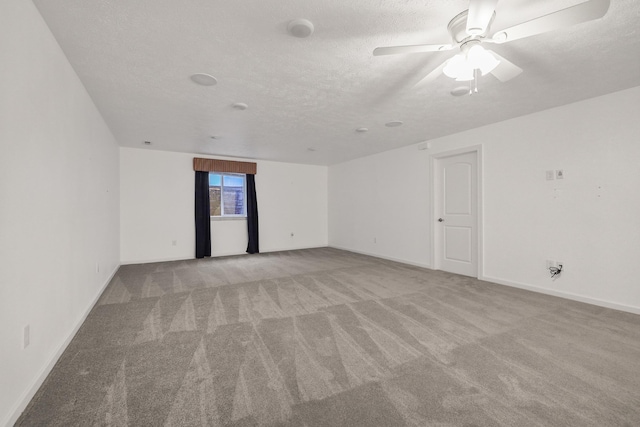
[(252, 215), (203, 220)]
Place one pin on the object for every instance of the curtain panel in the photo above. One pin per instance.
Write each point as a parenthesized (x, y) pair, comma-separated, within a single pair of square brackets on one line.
[(202, 215), (252, 216)]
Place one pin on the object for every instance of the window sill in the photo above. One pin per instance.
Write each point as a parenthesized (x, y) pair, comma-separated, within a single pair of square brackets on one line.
[(228, 218)]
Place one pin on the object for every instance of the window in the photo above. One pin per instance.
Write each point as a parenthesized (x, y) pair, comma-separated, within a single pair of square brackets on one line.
[(227, 195)]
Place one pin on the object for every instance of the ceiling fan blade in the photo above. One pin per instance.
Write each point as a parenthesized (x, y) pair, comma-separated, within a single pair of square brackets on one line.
[(432, 75), (506, 70), (583, 12), (479, 16), (394, 50)]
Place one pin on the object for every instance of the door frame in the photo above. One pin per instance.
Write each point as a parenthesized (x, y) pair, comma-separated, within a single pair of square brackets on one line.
[(436, 208)]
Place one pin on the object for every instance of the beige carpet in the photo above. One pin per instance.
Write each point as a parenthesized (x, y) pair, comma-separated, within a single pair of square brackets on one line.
[(323, 337)]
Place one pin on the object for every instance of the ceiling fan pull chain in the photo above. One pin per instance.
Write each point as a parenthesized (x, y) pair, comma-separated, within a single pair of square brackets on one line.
[(473, 83), (475, 80)]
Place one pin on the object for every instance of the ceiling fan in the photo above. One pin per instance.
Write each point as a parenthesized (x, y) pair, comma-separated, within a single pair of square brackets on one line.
[(471, 29)]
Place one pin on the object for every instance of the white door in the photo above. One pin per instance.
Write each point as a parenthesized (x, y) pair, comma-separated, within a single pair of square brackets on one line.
[(456, 224)]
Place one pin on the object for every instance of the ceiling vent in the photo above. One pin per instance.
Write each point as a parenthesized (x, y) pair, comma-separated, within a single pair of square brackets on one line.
[(300, 28), (204, 79)]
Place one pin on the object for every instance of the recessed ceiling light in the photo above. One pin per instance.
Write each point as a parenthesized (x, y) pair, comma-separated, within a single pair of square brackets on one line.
[(240, 106), (393, 124), (147, 143), (300, 28), (460, 90), (362, 130), (204, 79)]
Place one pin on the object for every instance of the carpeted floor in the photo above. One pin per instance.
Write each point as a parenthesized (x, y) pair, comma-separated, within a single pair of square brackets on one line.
[(323, 337)]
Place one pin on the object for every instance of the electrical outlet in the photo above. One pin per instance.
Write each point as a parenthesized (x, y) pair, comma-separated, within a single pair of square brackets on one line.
[(551, 175), (174, 243), (559, 174), (292, 234), (551, 263), (26, 336), (375, 240)]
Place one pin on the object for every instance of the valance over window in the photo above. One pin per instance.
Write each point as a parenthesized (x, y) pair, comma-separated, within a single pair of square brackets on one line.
[(230, 166)]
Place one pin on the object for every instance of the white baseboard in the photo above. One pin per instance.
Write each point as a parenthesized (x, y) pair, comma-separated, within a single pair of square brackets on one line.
[(297, 248), (152, 260), (566, 295), (44, 372), (402, 261), (216, 255), (266, 251)]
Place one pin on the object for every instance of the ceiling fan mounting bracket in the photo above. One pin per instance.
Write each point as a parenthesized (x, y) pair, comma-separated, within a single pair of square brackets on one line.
[(458, 27)]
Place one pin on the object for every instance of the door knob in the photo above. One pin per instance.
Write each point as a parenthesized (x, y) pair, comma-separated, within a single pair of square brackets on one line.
[(440, 220)]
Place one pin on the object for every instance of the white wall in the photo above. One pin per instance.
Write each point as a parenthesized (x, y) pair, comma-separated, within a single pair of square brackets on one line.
[(58, 203), (156, 202), (379, 205), (590, 220)]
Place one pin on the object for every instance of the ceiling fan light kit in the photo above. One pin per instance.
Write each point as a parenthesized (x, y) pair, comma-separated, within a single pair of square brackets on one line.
[(462, 66), (472, 27)]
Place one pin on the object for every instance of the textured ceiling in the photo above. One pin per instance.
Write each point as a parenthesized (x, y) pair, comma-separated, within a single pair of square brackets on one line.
[(135, 59)]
